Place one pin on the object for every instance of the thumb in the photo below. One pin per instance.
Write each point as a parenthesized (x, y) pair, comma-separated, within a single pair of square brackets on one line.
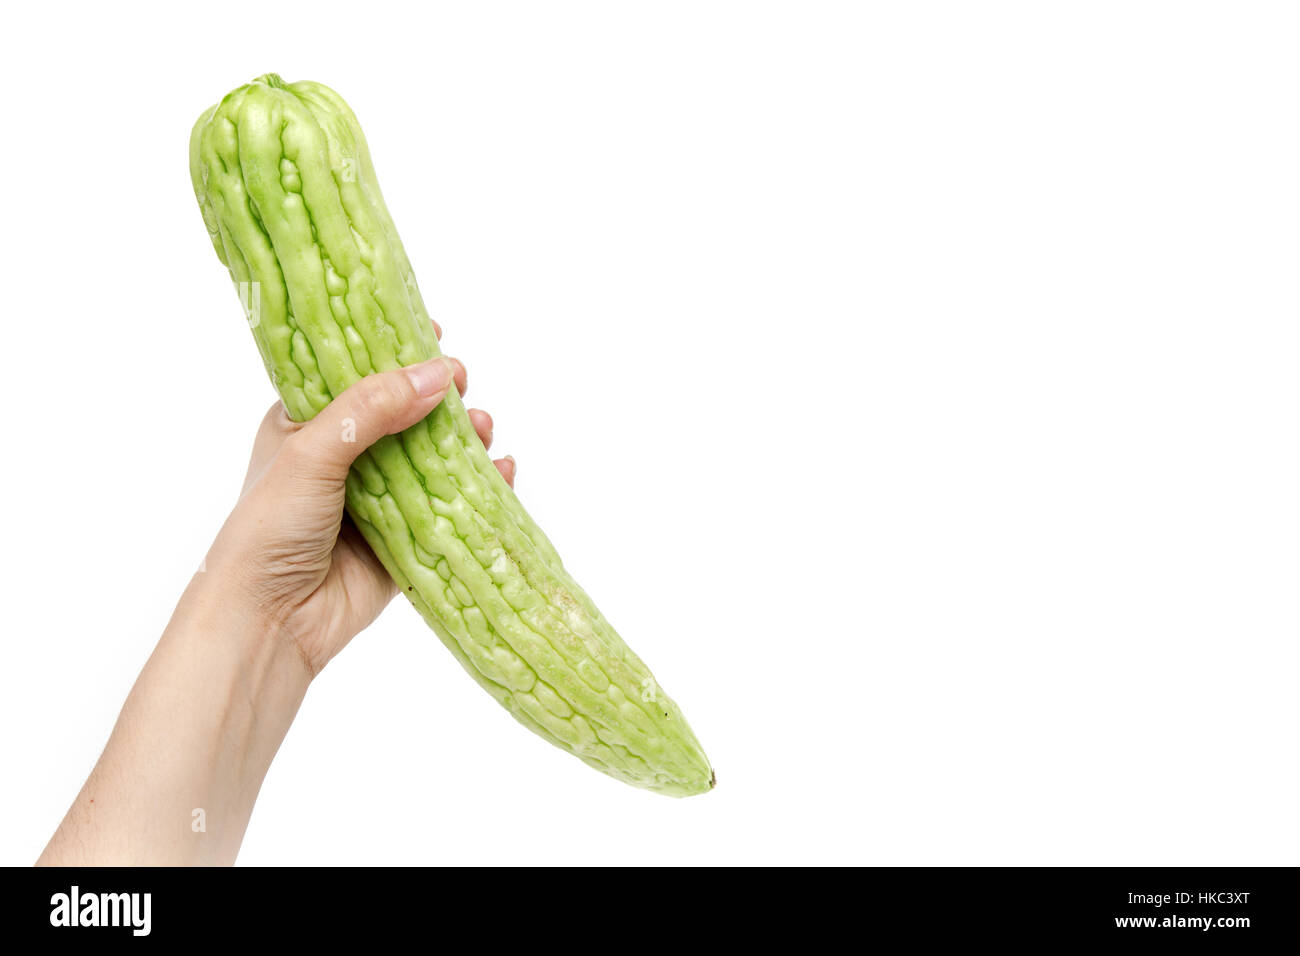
[(376, 406)]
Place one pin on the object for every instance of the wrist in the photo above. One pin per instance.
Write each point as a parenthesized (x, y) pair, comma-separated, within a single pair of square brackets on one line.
[(242, 637)]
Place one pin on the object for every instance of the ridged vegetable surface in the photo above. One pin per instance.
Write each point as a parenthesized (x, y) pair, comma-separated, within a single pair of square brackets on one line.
[(284, 180)]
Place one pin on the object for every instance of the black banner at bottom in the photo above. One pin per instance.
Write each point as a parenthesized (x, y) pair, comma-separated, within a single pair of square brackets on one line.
[(1224, 907)]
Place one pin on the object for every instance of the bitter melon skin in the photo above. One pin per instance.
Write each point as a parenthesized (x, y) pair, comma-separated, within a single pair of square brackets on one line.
[(290, 200)]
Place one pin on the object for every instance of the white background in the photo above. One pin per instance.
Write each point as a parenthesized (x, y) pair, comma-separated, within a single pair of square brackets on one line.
[(913, 385)]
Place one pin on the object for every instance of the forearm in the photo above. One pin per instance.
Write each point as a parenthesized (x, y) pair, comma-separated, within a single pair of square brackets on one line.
[(197, 733)]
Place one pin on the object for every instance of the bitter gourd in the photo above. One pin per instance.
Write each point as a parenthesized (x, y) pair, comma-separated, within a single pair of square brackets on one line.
[(291, 203)]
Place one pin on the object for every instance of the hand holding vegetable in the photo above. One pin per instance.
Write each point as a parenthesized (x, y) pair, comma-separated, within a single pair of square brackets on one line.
[(370, 424), (284, 587), (319, 581)]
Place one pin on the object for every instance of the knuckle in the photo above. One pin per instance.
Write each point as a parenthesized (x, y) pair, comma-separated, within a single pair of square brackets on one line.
[(276, 422)]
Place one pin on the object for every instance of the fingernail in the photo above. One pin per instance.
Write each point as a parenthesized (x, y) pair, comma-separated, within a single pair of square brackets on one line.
[(513, 463), (431, 377)]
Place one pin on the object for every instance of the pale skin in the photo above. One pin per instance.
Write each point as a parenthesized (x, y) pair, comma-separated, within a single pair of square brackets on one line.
[(287, 583)]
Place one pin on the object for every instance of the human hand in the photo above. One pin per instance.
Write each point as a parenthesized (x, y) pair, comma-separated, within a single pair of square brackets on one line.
[(287, 584), (288, 546)]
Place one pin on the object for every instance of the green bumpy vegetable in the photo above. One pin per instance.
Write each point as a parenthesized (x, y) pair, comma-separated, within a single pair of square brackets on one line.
[(290, 199)]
